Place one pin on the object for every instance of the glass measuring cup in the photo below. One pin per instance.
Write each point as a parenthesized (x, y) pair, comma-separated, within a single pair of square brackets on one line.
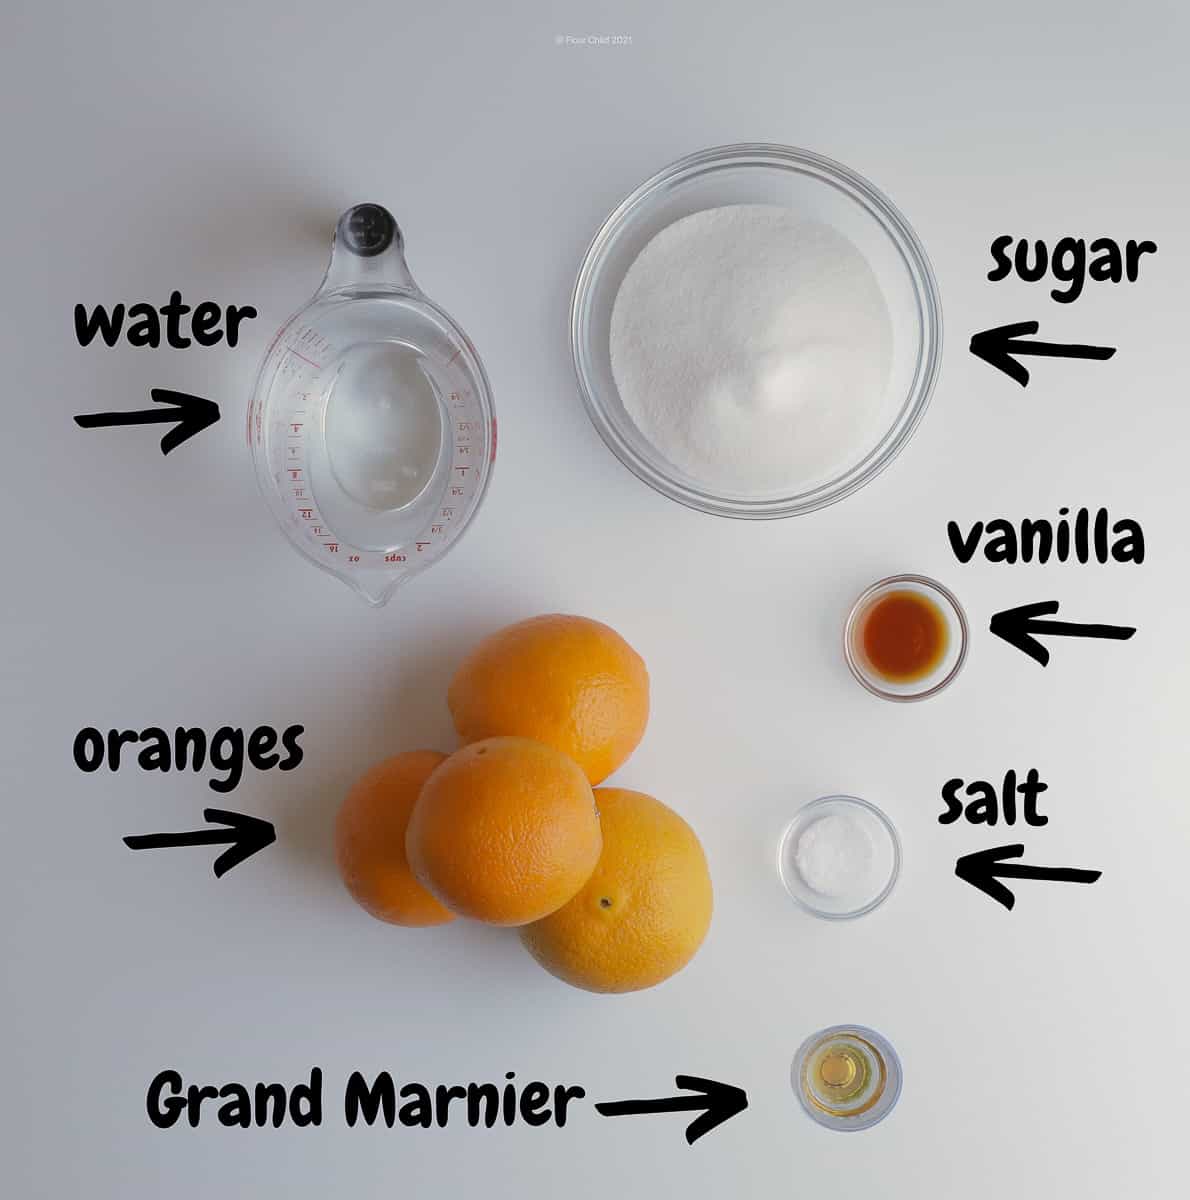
[(371, 425)]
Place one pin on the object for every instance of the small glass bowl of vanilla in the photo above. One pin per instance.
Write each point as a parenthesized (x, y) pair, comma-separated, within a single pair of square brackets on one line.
[(906, 638)]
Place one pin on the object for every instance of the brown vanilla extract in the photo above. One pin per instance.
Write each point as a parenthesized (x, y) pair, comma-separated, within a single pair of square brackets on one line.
[(904, 636)]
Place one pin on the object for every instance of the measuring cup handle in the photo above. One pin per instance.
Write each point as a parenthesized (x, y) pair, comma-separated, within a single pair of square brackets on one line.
[(368, 251), (368, 230)]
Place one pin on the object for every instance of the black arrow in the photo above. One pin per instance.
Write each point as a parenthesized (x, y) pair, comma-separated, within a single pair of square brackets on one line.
[(997, 347), (1020, 627), (192, 414), (985, 868), (246, 835), (719, 1102)]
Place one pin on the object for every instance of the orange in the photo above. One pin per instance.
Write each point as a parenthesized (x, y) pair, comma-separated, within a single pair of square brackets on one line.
[(505, 831), (645, 910), (570, 682), (370, 841)]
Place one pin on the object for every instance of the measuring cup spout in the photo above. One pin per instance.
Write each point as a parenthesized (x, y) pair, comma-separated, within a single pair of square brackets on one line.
[(376, 588), (368, 253)]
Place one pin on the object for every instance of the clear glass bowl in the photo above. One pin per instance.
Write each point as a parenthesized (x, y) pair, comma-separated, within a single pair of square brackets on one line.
[(881, 870), (755, 173), (951, 663)]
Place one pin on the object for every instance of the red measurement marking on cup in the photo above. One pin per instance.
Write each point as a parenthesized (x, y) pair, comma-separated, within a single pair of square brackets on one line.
[(310, 361)]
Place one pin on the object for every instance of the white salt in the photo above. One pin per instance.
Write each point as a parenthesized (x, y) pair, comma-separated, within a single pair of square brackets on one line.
[(752, 348), (835, 857)]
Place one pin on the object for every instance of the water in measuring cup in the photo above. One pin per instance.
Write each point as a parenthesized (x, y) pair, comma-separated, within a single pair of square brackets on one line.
[(378, 471), (383, 426)]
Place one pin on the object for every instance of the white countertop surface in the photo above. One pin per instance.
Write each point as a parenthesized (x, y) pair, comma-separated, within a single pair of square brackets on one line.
[(209, 148)]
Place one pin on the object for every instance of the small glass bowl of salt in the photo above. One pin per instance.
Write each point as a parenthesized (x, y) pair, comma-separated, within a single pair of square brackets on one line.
[(839, 857)]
